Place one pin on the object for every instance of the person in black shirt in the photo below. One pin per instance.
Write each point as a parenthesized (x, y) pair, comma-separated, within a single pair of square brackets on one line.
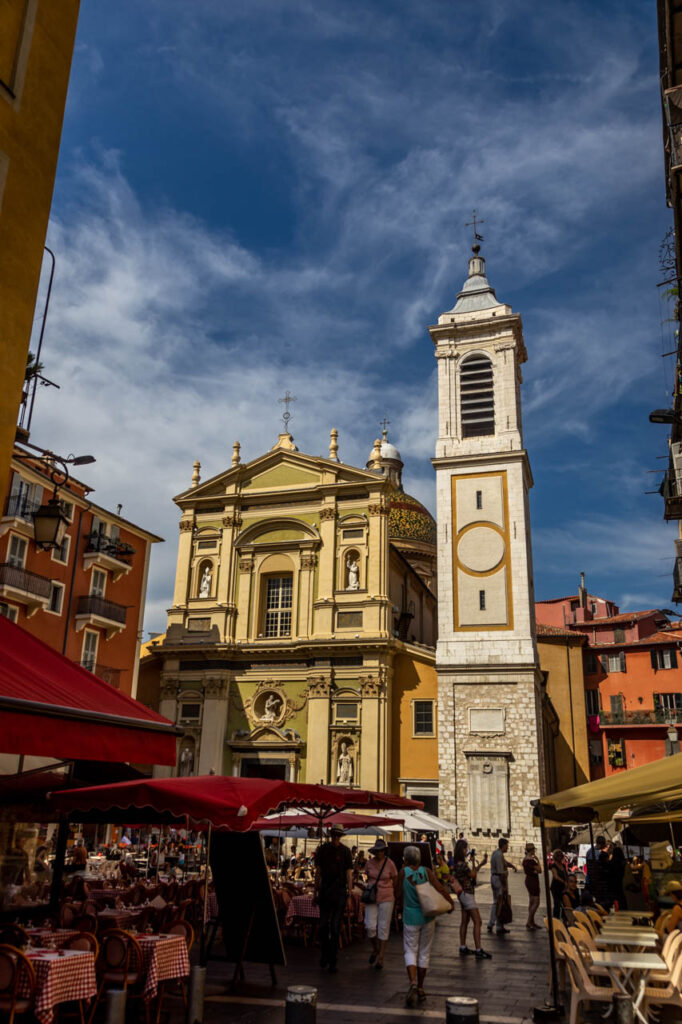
[(333, 881)]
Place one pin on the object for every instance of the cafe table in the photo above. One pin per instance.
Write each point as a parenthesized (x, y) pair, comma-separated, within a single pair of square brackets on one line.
[(48, 936), (630, 937), (61, 977), (630, 914), (629, 973)]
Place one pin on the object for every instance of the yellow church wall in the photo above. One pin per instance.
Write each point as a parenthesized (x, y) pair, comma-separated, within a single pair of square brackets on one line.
[(563, 663), (37, 47), (414, 678), (281, 476)]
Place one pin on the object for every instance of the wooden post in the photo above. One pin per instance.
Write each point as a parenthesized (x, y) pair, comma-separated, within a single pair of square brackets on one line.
[(555, 1007)]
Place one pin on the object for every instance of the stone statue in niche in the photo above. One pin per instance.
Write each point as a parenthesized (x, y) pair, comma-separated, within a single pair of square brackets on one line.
[(344, 767), (186, 762), (353, 573), (271, 708), (205, 585)]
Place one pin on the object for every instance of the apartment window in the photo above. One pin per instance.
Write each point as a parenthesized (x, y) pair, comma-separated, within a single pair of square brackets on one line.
[(616, 753), (89, 654), (619, 636), (114, 534), (24, 498), (422, 718), (67, 508), (613, 662), (592, 702), (476, 396), (666, 658), (616, 702), (98, 583), (9, 611), (479, 499), (56, 598), (593, 609), (61, 554), (591, 664), (346, 712), (668, 701), (349, 620), (481, 600), (596, 752), (98, 526), (16, 554), (278, 596)]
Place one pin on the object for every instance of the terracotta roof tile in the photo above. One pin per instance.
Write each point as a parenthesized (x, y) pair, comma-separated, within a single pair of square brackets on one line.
[(543, 630)]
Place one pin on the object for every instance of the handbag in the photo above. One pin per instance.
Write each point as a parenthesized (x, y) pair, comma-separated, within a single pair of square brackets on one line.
[(431, 902), (503, 908), (369, 893)]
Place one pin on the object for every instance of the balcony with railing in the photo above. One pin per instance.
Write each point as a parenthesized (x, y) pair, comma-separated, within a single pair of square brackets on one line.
[(92, 610), (671, 490), (24, 587), (645, 716), (108, 553), (677, 580), (18, 514)]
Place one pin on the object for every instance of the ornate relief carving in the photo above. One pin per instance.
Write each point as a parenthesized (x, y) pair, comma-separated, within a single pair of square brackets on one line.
[(328, 513), (371, 686), (308, 560), (185, 525), (319, 687), (246, 564), (270, 705), (232, 520), (216, 687), (377, 510), (169, 691)]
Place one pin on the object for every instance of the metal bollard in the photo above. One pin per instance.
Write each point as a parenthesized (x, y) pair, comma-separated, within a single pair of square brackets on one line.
[(301, 1005), (461, 1010), (116, 1006), (624, 1011), (195, 1003)]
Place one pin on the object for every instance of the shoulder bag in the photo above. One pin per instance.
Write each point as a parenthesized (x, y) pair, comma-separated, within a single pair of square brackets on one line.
[(431, 902), (369, 893)]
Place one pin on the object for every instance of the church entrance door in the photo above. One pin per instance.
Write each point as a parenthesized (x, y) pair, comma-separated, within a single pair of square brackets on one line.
[(252, 768)]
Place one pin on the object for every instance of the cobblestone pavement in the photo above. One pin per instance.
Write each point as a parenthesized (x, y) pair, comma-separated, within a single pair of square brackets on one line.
[(507, 987)]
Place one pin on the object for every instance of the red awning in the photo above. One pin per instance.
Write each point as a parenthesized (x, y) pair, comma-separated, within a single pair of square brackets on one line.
[(220, 800), (345, 818), (50, 707)]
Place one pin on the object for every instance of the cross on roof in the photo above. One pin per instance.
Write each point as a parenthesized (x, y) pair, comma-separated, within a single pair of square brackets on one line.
[(384, 424), (474, 224), (286, 401)]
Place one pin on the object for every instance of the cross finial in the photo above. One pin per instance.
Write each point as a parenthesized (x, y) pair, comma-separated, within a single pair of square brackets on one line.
[(474, 224), (286, 402), (384, 424)]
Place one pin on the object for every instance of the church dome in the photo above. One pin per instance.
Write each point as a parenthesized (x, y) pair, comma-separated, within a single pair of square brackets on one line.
[(408, 520)]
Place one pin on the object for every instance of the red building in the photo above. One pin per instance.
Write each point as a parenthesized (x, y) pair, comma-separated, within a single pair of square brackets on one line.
[(85, 599), (633, 679)]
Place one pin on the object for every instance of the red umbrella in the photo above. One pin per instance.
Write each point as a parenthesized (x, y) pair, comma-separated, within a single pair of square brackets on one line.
[(303, 820), (222, 801)]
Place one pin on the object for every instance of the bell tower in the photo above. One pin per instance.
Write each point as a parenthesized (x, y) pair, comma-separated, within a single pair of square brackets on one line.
[(489, 682)]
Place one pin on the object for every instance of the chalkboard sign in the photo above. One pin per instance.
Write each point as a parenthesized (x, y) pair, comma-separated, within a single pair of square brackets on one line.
[(245, 903), (396, 850)]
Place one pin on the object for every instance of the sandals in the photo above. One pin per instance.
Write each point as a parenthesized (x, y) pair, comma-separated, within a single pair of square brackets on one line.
[(421, 995), (411, 997)]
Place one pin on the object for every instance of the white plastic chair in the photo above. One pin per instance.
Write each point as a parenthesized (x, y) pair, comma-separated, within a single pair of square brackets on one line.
[(583, 989)]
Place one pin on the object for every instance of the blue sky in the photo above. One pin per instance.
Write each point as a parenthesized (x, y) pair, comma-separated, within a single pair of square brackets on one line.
[(265, 195)]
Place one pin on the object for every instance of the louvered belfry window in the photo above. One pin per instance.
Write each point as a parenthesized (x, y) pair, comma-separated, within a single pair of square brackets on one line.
[(477, 396)]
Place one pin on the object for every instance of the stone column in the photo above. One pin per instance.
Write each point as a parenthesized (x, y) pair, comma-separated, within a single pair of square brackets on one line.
[(305, 594), (373, 739), (317, 743), (168, 707), (214, 721), (226, 577), (245, 568), (182, 571), (327, 572), (377, 569)]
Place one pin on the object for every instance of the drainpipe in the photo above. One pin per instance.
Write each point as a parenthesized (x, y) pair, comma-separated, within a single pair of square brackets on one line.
[(81, 510)]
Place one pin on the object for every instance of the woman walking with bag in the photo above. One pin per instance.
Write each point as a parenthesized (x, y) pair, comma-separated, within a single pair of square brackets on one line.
[(465, 874), (418, 927), (379, 899)]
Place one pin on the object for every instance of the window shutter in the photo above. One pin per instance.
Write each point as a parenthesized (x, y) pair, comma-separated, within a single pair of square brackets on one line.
[(604, 663), (654, 662), (15, 489), (673, 657), (622, 661)]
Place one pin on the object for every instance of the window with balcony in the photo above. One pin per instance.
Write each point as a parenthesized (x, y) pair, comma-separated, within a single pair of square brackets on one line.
[(663, 658), (477, 396), (422, 718), (24, 499), (278, 597), (668, 701), (89, 652), (56, 598), (16, 553), (98, 583), (616, 702)]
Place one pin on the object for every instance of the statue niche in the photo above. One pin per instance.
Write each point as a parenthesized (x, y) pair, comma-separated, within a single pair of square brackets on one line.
[(345, 764), (352, 569), (205, 579), (186, 759)]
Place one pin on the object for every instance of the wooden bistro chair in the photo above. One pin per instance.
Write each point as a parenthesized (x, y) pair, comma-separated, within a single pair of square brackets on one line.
[(86, 923), (13, 935), (583, 988), (181, 926), (120, 965), (84, 942), (17, 983)]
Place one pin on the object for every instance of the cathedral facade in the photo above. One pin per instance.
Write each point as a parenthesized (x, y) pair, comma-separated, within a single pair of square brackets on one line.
[(301, 637)]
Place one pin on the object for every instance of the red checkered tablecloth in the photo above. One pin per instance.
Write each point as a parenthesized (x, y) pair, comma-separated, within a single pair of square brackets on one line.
[(212, 905), (60, 979), (44, 936), (301, 906), (165, 957), (113, 918)]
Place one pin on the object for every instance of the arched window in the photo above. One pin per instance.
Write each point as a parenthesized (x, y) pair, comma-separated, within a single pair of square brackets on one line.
[(477, 396)]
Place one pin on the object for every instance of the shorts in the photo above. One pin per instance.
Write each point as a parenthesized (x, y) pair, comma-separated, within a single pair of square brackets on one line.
[(468, 901), (378, 918), (417, 942)]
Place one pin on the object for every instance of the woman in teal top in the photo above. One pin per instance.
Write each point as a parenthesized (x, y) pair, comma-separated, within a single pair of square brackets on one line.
[(418, 930)]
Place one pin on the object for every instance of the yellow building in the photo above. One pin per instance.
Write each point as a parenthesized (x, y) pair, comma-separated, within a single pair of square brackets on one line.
[(567, 744), (36, 46), (301, 636)]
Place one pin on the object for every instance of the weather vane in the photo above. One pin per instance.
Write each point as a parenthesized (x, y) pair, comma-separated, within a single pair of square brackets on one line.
[(286, 401), (474, 224), (385, 423)]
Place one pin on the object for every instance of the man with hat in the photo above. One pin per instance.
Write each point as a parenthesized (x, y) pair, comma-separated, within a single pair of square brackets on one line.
[(381, 878), (333, 882)]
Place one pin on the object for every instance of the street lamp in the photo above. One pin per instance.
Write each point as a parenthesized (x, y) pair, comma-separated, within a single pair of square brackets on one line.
[(50, 521), (664, 416)]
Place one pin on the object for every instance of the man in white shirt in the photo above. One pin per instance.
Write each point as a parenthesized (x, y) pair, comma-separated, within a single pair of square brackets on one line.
[(499, 879)]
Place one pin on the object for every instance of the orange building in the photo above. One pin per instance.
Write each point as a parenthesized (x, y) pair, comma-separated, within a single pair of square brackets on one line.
[(633, 679), (85, 599)]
